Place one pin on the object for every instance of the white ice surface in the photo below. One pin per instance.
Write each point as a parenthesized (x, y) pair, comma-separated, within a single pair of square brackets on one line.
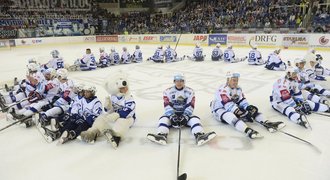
[(231, 156)]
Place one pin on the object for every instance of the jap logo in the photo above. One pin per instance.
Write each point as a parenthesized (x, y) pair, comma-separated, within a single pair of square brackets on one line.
[(323, 40), (200, 38)]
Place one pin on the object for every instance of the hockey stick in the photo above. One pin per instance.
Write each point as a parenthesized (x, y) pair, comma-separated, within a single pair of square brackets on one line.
[(13, 104), (184, 175), (18, 121), (177, 42), (293, 136), (250, 43), (322, 114), (309, 143)]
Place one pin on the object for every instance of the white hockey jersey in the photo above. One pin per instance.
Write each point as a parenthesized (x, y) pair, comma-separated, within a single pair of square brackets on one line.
[(56, 63), (229, 99), (217, 53), (158, 55), (255, 57), (123, 105), (88, 62), (137, 56), (114, 58), (198, 52), (229, 55), (179, 101), (125, 57), (170, 55), (286, 91)]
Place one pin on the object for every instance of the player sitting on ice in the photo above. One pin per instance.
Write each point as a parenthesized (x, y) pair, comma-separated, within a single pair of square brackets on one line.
[(229, 55), (56, 62), (311, 91), (137, 55), (86, 63), (114, 57), (319, 71), (197, 53), (20, 91), (275, 62), (46, 93), (104, 60), (170, 55), (125, 56), (83, 118), (119, 115), (179, 104), (158, 56), (217, 53), (255, 57), (230, 107), (61, 105), (287, 99)]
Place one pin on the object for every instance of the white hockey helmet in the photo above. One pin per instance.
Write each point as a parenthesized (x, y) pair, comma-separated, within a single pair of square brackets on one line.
[(198, 44), (32, 67), (179, 77), (62, 73), (299, 60), (51, 72), (168, 46), (55, 53), (79, 87), (137, 47), (124, 48), (229, 46), (101, 49), (113, 49), (291, 73), (230, 75), (120, 83), (90, 88), (254, 46), (218, 45), (32, 60)]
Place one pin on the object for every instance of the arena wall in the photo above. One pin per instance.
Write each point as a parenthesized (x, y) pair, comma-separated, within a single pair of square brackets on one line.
[(291, 41)]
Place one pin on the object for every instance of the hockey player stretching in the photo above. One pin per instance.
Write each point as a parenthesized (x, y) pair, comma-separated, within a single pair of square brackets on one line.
[(287, 99), (230, 106), (119, 115), (179, 103)]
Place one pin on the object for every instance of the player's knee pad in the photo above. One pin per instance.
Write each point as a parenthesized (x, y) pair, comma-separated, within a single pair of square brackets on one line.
[(228, 117)]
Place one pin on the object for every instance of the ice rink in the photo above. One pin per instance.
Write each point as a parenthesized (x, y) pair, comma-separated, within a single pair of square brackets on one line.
[(231, 155)]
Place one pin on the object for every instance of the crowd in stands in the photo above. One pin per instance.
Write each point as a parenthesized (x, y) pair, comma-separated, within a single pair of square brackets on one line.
[(197, 16), (321, 16)]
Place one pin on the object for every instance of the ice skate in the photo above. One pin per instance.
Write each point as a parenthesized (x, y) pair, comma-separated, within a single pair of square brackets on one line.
[(273, 126), (302, 122), (65, 137), (252, 133), (202, 138), (158, 138), (47, 134), (111, 138)]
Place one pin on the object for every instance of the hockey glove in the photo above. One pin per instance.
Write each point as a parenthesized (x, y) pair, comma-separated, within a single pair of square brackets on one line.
[(253, 111), (303, 108), (240, 113), (34, 96), (176, 121)]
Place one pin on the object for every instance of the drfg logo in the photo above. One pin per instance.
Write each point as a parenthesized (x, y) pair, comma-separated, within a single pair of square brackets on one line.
[(265, 38), (200, 38), (323, 40)]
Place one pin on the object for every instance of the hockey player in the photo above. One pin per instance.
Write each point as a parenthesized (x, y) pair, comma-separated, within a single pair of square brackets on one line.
[(229, 55), (90, 108), (170, 55), (287, 99), (125, 56), (179, 103), (114, 57), (197, 54), (61, 105), (230, 106), (24, 88), (158, 56), (88, 62), (217, 53), (137, 55), (119, 115), (274, 61), (255, 57), (104, 60), (45, 93), (56, 62), (319, 71)]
